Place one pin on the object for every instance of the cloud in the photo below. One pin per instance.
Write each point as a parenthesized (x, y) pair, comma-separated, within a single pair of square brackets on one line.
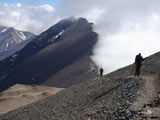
[(47, 7), (28, 17), (119, 49), (93, 15), (125, 28)]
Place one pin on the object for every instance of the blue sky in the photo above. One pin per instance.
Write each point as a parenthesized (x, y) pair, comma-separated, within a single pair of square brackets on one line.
[(54, 3)]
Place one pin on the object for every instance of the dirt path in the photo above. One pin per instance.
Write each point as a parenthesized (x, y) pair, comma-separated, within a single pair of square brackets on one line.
[(147, 94)]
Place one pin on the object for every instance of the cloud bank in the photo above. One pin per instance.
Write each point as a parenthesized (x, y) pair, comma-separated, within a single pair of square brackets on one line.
[(28, 17), (125, 27)]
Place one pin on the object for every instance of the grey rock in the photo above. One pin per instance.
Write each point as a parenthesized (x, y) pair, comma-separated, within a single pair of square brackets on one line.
[(106, 100)]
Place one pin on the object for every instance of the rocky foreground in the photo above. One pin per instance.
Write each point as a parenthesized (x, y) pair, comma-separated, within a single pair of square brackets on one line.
[(100, 98), (116, 96)]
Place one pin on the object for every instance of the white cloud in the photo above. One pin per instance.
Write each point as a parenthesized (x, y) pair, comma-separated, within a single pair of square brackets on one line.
[(47, 7), (28, 17), (119, 49), (19, 5), (125, 28), (93, 15), (15, 14)]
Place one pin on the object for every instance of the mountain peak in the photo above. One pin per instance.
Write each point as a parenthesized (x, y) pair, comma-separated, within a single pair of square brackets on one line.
[(53, 56), (81, 19), (12, 40)]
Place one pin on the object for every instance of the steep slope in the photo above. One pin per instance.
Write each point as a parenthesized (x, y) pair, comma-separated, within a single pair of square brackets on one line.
[(151, 66), (20, 95), (12, 40), (116, 96), (54, 58), (98, 99)]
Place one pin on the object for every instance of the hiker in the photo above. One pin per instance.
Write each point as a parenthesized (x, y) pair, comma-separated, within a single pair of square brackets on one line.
[(101, 72), (138, 63)]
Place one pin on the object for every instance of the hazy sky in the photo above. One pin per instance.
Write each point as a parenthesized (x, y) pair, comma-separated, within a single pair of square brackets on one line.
[(125, 27)]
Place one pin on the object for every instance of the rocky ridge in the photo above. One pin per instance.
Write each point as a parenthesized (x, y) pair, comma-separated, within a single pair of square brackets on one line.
[(116, 96), (54, 58)]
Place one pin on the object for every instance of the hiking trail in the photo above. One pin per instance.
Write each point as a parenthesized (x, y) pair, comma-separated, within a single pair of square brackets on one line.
[(147, 101)]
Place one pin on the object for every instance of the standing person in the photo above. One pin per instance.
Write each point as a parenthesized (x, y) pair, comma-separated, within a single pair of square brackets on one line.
[(101, 72), (138, 63)]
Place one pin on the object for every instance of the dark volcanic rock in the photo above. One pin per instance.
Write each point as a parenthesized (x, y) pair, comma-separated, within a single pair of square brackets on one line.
[(97, 99), (57, 57)]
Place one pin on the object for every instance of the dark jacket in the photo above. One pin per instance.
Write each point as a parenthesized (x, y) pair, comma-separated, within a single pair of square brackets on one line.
[(138, 59)]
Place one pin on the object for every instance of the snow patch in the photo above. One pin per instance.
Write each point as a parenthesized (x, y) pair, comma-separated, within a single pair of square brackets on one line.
[(6, 47), (59, 34), (4, 30), (22, 36), (14, 56)]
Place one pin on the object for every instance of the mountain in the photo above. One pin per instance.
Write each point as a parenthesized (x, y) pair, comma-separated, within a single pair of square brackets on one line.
[(115, 96), (57, 57), (12, 40), (20, 95)]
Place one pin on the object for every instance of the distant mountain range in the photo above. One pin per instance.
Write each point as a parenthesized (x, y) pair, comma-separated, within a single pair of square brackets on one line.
[(12, 40), (58, 57)]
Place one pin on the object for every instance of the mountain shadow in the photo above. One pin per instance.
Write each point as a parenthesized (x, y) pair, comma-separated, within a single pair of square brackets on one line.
[(55, 58)]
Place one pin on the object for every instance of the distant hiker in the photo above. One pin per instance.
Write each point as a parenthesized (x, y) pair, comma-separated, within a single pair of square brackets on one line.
[(138, 63), (101, 72)]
